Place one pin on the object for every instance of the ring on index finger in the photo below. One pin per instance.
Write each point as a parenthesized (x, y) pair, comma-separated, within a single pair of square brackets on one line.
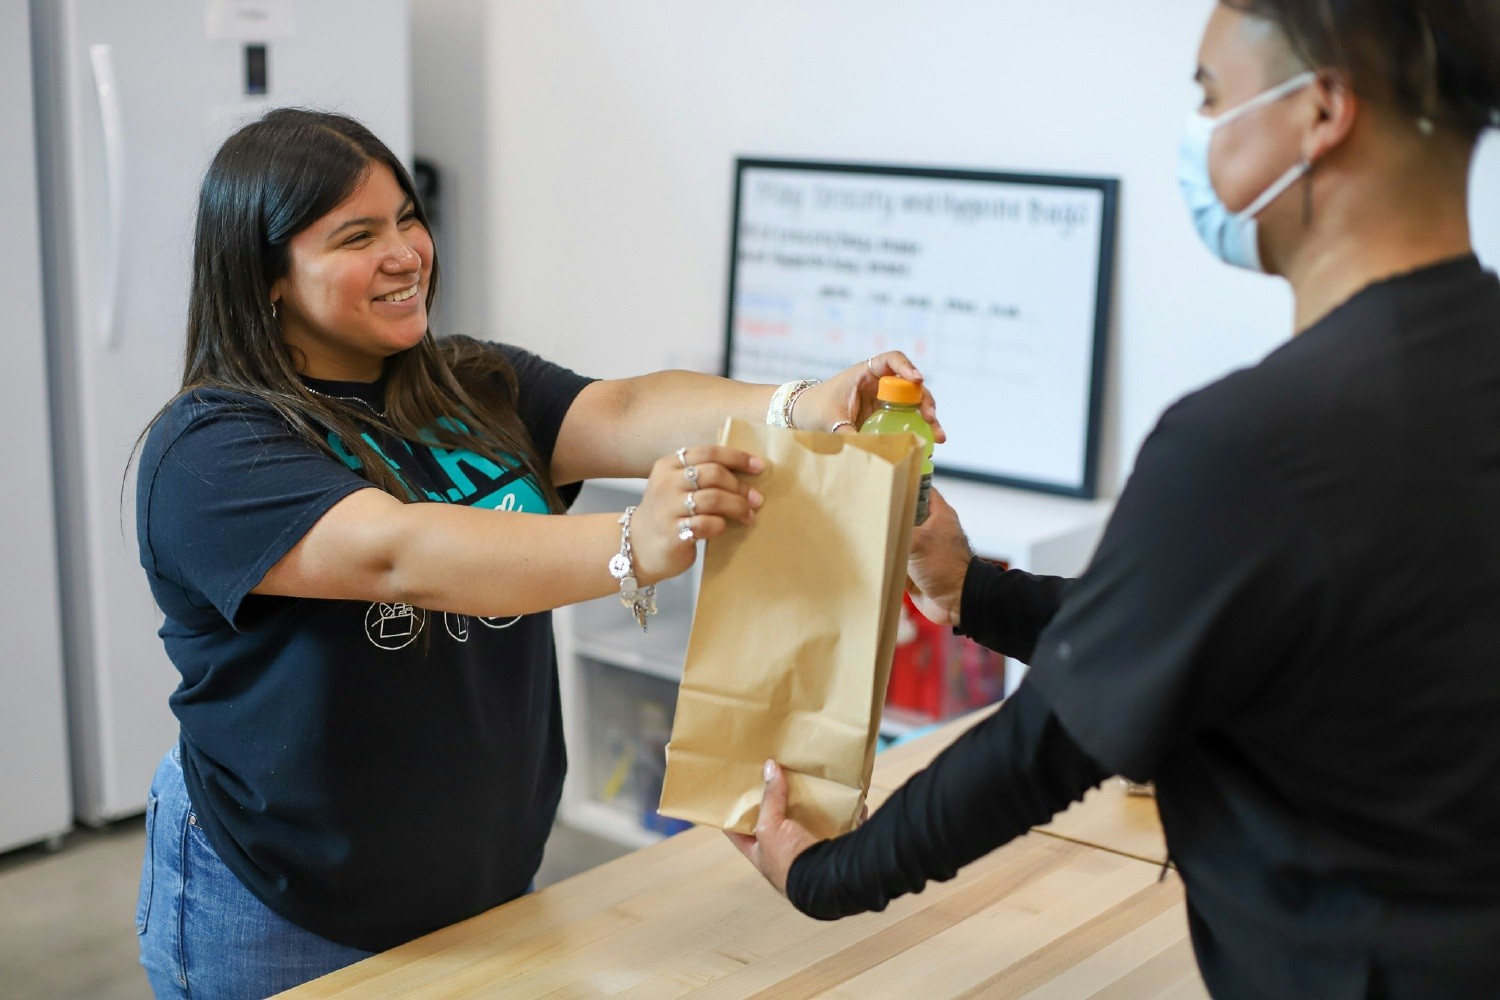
[(869, 365), (690, 502), (692, 475), (685, 530), (682, 456)]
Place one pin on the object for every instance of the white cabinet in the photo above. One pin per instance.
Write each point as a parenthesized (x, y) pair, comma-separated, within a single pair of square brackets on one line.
[(619, 689), (619, 686)]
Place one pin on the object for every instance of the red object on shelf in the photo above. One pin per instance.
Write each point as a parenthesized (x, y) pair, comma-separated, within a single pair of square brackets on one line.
[(936, 674), (977, 675), (919, 664)]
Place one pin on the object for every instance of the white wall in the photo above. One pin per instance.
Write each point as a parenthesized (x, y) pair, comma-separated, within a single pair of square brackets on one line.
[(601, 202), (451, 100)]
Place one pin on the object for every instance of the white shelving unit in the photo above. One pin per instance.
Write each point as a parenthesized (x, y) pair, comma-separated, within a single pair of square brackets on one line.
[(619, 686)]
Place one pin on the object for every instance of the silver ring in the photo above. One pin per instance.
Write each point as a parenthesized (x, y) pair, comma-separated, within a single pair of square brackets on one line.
[(690, 502), (682, 456), (685, 530), (868, 365), (692, 475), (840, 423)]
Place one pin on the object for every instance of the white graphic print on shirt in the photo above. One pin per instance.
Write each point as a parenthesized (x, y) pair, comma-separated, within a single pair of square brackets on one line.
[(472, 479)]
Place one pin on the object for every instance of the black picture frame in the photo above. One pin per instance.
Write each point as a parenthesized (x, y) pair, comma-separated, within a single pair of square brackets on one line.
[(1108, 188)]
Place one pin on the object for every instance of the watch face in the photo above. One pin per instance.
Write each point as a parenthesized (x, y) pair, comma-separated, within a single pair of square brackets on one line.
[(619, 566)]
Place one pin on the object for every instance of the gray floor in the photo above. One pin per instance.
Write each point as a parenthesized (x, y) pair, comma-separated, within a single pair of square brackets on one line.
[(67, 916)]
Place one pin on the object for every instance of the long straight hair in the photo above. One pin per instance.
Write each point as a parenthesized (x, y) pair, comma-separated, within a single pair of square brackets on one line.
[(269, 181)]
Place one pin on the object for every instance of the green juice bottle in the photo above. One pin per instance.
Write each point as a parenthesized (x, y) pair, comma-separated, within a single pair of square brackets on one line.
[(899, 414)]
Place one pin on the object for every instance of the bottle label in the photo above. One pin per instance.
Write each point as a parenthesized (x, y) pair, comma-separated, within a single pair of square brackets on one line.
[(923, 492)]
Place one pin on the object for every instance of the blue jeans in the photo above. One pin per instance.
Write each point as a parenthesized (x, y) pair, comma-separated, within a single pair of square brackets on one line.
[(202, 933)]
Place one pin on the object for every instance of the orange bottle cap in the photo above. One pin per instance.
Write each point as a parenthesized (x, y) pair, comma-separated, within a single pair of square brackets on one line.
[(894, 389)]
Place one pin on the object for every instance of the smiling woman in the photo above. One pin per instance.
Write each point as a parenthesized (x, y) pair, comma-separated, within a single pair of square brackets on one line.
[(345, 522), (304, 220)]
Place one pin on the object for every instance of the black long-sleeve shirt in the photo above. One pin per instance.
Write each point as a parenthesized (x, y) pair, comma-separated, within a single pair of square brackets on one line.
[(1291, 625), (1011, 771)]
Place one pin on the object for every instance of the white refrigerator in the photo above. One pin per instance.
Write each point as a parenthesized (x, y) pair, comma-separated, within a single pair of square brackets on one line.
[(34, 802), (133, 96)]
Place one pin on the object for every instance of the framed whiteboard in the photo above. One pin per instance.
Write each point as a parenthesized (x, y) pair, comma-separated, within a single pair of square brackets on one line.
[(996, 285)]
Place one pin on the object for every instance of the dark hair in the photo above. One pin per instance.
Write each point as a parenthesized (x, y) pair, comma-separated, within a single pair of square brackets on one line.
[(1437, 60), (269, 181)]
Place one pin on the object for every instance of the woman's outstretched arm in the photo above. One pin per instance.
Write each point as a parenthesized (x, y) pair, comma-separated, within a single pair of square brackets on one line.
[(620, 427)]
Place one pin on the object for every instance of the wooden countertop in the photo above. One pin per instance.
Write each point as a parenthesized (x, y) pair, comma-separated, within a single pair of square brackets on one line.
[(1073, 909)]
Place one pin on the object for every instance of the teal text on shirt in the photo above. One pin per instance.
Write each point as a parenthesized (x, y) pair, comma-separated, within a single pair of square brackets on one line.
[(472, 478)]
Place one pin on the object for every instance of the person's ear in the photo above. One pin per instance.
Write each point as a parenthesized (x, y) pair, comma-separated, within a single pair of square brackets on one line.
[(1335, 107)]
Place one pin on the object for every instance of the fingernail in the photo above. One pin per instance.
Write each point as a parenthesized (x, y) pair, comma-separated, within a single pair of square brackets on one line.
[(756, 464), (769, 770), (755, 498)]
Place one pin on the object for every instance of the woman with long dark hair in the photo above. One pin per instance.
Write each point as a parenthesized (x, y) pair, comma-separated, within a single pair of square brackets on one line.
[(1292, 623), (343, 520)]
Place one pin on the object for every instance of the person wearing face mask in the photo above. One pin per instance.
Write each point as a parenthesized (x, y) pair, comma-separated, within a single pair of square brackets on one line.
[(1292, 622)]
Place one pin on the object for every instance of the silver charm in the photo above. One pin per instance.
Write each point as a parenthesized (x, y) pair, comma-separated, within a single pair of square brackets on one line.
[(639, 601)]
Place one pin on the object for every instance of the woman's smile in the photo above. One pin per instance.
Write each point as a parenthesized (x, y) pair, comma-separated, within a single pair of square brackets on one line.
[(400, 295)]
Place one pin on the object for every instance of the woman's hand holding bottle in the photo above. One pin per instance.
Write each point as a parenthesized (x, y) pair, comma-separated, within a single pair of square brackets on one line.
[(846, 400)]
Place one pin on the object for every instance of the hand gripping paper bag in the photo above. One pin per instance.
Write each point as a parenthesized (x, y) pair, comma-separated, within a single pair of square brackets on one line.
[(794, 630)]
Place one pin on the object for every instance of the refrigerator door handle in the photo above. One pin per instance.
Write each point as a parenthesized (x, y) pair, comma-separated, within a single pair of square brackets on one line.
[(107, 92)]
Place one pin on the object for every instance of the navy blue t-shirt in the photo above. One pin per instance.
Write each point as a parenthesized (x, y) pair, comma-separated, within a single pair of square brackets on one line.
[(370, 771)]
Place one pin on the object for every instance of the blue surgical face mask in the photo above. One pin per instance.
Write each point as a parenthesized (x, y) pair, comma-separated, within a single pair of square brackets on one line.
[(1231, 236)]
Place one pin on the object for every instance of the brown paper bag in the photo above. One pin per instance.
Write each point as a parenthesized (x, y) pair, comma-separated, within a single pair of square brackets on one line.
[(794, 630)]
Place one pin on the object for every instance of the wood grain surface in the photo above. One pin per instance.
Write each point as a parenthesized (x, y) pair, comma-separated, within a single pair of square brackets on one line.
[(1075, 910)]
